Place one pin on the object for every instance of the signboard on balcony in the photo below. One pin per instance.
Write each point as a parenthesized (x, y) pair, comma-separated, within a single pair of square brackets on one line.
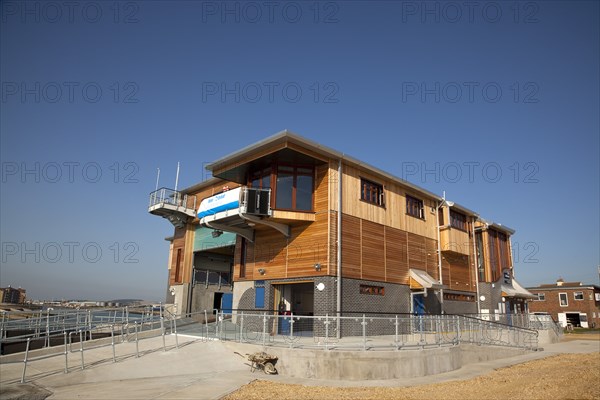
[(221, 202)]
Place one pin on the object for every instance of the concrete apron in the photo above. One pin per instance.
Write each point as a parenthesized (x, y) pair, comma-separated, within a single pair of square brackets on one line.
[(376, 365)]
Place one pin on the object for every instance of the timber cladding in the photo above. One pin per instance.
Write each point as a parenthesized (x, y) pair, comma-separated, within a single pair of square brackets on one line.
[(376, 252)]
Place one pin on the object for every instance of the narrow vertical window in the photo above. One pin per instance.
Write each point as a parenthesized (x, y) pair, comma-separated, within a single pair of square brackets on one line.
[(243, 258), (178, 267)]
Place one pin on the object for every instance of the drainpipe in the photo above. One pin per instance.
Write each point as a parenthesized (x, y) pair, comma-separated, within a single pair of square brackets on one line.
[(339, 250), (476, 265), (439, 251)]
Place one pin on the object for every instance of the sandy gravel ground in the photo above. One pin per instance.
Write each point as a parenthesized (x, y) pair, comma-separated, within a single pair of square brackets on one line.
[(565, 376)]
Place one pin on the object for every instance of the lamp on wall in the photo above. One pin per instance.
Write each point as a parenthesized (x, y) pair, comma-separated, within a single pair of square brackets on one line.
[(261, 271), (317, 267)]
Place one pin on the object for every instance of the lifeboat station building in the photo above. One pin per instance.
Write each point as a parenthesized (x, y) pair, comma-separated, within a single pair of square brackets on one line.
[(289, 225)]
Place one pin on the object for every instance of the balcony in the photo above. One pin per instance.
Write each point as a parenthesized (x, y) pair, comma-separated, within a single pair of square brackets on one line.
[(454, 240), (175, 206), (239, 210)]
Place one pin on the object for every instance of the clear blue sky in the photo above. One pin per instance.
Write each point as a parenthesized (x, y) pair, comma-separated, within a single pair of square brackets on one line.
[(501, 97)]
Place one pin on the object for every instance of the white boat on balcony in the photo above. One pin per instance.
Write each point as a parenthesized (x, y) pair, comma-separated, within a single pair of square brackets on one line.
[(239, 210)]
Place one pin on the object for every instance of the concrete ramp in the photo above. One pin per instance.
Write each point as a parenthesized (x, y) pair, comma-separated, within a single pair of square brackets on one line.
[(196, 369)]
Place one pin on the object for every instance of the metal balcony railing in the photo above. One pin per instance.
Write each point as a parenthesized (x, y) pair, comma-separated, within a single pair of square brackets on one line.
[(172, 197)]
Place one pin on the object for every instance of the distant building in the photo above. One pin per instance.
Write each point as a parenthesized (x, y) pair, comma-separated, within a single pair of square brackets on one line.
[(568, 302), (12, 295)]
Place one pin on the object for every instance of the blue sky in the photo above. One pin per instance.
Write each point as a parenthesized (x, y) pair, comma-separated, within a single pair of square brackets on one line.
[(495, 103)]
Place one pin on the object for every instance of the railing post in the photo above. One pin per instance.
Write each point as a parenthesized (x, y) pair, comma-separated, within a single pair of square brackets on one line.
[(137, 349), (438, 335), (112, 341), (264, 328), (326, 323), (291, 330), (81, 347), (364, 331), (66, 353), (396, 339), (25, 360), (162, 330), (176, 337), (90, 323), (47, 341), (241, 327)]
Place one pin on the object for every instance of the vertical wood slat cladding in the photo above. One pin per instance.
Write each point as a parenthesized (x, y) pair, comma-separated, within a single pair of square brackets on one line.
[(396, 255), (432, 258), (459, 275), (351, 259), (373, 251)]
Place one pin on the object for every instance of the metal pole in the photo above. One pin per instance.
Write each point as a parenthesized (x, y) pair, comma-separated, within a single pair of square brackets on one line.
[(81, 347), (137, 350), (162, 329), (112, 341), (25, 360), (339, 251), (364, 331), (264, 328), (66, 353), (176, 338)]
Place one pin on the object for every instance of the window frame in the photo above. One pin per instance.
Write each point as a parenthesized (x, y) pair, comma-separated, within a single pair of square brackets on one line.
[(460, 225), (541, 297), (566, 297), (575, 296), (420, 206), (379, 192), (295, 175)]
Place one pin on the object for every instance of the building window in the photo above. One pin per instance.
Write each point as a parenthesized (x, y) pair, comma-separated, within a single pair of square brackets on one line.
[(578, 295), (541, 296), (562, 299), (294, 188), (368, 289), (178, 267), (414, 207), (243, 251), (458, 220), (261, 179), (372, 192)]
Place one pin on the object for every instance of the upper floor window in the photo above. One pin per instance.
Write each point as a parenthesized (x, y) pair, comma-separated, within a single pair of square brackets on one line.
[(294, 188), (372, 192), (261, 179), (563, 300), (541, 296), (578, 295), (414, 207), (458, 220)]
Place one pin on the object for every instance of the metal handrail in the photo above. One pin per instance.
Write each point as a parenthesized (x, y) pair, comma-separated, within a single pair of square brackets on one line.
[(173, 197)]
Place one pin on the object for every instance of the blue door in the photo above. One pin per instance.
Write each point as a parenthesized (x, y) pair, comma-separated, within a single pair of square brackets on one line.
[(418, 304), (227, 303)]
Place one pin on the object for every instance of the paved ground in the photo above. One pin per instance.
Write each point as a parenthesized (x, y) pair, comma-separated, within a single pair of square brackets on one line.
[(197, 370)]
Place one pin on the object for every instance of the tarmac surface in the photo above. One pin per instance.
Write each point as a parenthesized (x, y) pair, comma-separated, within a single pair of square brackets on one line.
[(196, 370)]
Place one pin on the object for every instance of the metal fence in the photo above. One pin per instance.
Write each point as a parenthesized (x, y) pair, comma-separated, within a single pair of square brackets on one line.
[(363, 332)]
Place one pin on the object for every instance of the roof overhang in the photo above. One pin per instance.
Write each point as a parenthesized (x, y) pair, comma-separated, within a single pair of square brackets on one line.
[(425, 280), (291, 141), (494, 225), (514, 289)]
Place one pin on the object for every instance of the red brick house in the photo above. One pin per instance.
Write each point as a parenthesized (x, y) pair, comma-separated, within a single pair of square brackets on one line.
[(568, 302)]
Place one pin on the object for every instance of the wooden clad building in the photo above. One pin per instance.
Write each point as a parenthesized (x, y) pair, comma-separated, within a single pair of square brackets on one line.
[(281, 220)]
